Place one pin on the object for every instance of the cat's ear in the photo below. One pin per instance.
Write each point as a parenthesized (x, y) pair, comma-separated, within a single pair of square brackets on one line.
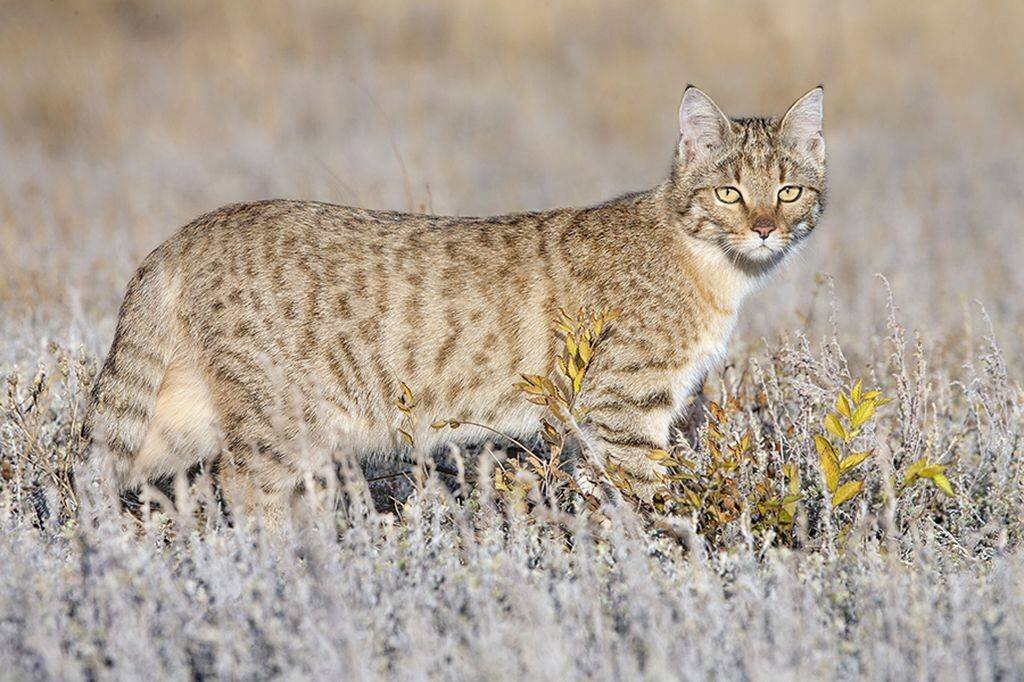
[(801, 125), (702, 125)]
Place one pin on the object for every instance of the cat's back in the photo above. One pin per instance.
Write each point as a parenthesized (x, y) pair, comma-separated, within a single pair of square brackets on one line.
[(248, 238), (281, 225)]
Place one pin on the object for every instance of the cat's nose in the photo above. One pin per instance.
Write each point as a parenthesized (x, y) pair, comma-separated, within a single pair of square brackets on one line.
[(764, 226)]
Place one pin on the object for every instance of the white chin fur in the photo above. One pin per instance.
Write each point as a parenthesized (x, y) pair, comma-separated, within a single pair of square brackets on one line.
[(758, 249)]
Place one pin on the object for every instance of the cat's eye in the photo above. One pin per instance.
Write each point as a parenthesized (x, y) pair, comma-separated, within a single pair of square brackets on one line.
[(727, 195), (790, 193)]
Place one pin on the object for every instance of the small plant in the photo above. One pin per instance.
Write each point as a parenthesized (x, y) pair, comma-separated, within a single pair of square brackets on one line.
[(711, 492), (776, 511), (729, 482), (839, 462), (45, 421), (582, 335), (923, 470)]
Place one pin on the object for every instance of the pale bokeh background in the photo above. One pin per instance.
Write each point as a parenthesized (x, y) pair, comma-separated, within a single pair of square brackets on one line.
[(121, 121)]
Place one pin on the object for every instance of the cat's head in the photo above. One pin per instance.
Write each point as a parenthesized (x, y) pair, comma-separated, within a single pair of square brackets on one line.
[(753, 187)]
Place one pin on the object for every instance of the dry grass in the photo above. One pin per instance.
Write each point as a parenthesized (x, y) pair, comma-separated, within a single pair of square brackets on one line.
[(120, 121)]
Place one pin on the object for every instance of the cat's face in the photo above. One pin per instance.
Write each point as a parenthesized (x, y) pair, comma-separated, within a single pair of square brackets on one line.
[(752, 187)]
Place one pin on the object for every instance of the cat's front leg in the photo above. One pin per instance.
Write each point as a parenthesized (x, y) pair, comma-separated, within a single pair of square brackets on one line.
[(627, 421)]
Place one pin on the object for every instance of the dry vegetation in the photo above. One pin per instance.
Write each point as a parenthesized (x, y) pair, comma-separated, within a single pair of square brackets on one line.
[(803, 534)]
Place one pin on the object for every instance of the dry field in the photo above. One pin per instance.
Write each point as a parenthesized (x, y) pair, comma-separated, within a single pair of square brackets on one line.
[(120, 121)]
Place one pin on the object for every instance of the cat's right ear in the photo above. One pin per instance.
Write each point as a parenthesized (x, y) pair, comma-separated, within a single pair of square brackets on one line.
[(702, 125)]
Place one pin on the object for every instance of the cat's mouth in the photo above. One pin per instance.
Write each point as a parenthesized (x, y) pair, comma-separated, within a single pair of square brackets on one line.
[(756, 258), (764, 249)]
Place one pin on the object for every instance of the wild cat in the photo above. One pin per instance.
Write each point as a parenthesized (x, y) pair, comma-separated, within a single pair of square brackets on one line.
[(270, 333)]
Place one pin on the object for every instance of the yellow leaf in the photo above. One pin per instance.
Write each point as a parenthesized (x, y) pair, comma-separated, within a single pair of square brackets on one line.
[(792, 478), (570, 343), (855, 393), (529, 387), (406, 436), (439, 424), (831, 473), (846, 492), (585, 351), (658, 455), (931, 471), (822, 445), (745, 441), (531, 383), (694, 499), (914, 470), (835, 427), (853, 460), (829, 464), (406, 393), (843, 405), (871, 395), (862, 414), (943, 484)]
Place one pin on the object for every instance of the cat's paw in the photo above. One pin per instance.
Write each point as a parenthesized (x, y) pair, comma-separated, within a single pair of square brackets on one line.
[(639, 481)]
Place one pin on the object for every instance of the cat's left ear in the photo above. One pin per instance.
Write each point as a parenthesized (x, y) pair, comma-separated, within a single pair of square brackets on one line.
[(802, 124)]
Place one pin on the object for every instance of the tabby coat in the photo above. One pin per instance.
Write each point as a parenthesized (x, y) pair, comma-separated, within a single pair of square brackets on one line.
[(271, 334)]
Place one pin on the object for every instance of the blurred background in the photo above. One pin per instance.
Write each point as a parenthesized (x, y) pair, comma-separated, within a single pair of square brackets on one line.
[(122, 120)]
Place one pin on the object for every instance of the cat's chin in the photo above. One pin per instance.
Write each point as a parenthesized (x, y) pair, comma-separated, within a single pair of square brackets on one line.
[(757, 260), (762, 252)]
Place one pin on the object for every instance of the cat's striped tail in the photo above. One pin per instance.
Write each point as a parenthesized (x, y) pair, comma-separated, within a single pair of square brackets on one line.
[(124, 396)]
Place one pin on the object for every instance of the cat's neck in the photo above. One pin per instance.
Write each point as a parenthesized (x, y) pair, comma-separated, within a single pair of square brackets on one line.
[(718, 274), (723, 280)]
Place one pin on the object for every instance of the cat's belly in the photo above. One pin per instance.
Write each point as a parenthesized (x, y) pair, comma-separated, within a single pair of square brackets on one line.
[(464, 421)]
